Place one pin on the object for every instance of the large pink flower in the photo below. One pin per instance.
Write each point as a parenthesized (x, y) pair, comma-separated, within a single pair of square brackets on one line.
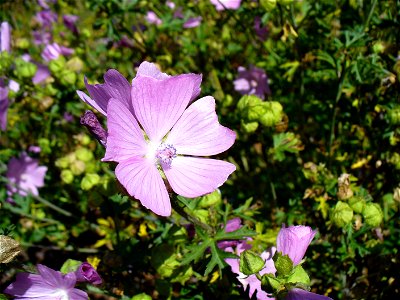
[(174, 135)]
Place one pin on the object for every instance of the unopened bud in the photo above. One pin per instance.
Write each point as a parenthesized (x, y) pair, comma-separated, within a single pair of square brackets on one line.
[(84, 154), (372, 214), (78, 167), (357, 203), (342, 214), (67, 176), (250, 263), (90, 121), (89, 181)]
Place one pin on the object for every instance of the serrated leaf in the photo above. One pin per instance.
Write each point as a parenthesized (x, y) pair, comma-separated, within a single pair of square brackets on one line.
[(196, 252), (239, 234)]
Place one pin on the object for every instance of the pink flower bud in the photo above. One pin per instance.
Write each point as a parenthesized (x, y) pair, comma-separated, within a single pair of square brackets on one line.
[(294, 240), (87, 273)]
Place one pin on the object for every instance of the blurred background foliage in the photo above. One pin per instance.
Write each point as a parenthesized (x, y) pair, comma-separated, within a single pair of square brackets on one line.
[(333, 73)]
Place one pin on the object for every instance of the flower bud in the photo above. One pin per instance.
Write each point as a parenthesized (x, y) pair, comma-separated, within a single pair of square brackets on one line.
[(78, 167), (89, 181), (357, 203), (342, 214), (141, 296), (250, 263), (270, 283), (372, 214), (90, 121), (272, 115), (86, 273), (344, 190), (294, 241), (298, 275), (62, 162), (57, 65), (24, 69), (67, 176), (84, 154), (249, 127), (283, 264), (210, 199), (67, 77)]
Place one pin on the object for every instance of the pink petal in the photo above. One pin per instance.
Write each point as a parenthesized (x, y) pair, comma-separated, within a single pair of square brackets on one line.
[(125, 138), (198, 132), (85, 98), (193, 176), (158, 104), (76, 294), (56, 278), (151, 70), (143, 181)]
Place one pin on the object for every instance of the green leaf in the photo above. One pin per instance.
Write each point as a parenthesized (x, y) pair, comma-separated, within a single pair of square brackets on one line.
[(239, 234)]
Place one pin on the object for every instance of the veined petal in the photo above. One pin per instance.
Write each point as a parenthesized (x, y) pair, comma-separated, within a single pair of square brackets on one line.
[(142, 180), (55, 278), (125, 138), (194, 176), (158, 104), (149, 69), (198, 132)]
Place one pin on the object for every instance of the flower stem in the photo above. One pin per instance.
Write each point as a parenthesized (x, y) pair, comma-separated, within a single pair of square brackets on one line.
[(183, 213)]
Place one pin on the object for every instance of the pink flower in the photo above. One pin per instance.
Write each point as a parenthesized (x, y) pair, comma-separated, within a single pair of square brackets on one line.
[(152, 18), (53, 51), (294, 241), (252, 281), (231, 225), (47, 285), (253, 81), (192, 22), (226, 4), (299, 294), (174, 136), (5, 37), (4, 103), (25, 175)]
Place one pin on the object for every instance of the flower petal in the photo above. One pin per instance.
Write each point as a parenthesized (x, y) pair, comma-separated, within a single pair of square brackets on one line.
[(194, 176), (56, 278), (198, 132), (125, 138), (142, 180), (151, 70), (158, 104), (115, 86), (299, 294)]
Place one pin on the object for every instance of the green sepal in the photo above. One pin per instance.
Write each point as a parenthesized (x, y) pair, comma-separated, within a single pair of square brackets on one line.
[(271, 284), (298, 275), (283, 264), (250, 263)]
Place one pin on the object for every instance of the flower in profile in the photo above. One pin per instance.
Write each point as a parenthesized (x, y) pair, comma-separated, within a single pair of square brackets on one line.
[(86, 273), (25, 175), (3, 105), (47, 285), (53, 51), (226, 4), (175, 135), (294, 241), (5, 37), (152, 18), (192, 22), (252, 281), (253, 81)]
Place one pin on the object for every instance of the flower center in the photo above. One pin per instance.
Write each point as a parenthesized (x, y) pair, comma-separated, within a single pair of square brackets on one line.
[(253, 83), (165, 153)]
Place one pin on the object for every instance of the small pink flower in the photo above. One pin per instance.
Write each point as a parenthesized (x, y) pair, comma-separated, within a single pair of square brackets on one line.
[(152, 18), (175, 135), (226, 4), (47, 285), (5, 37), (25, 175), (53, 51), (294, 241), (192, 22)]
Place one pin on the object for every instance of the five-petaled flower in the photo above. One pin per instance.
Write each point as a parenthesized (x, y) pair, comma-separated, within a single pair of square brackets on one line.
[(152, 135)]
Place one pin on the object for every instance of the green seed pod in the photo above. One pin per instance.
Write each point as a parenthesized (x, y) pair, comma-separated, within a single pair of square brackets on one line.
[(84, 154), (78, 167), (67, 77), (249, 127), (141, 296), (62, 162), (211, 199), (89, 181), (372, 214), (357, 203), (56, 66), (75, 64), (24, 69), (67, 176), (342, 214)]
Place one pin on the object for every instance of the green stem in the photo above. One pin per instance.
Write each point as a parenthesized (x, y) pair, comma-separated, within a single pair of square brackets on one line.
[(40, 199), (371, 11), (183, 213)]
